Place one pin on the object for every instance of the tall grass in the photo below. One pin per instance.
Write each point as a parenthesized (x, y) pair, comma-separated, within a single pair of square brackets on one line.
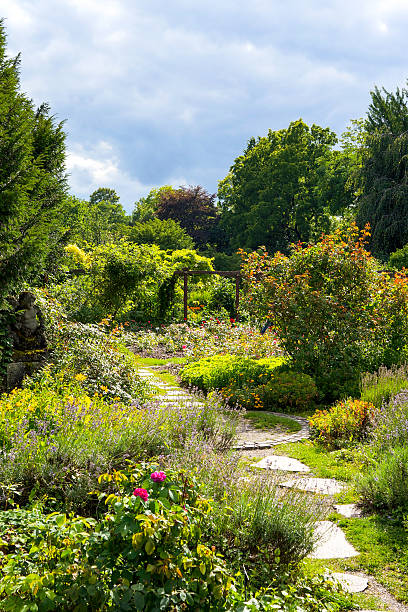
[(384, 384)]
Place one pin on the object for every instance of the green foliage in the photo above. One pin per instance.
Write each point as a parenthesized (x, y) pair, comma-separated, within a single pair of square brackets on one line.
[(282, 187), (379, 388), (139, 555), (99, 221), (385, 485), (383, 176), (399, 258), (220, 370), (289, 392), (146, 208), (167, 234), (272, 529), (344, 424), (32, 180), (335, 313), (126, 280)]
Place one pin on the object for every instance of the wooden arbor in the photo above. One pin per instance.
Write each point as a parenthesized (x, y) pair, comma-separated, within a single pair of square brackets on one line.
[(227, 273)]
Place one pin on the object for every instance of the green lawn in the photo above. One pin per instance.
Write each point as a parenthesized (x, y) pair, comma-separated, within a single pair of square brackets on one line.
[(265, 420)]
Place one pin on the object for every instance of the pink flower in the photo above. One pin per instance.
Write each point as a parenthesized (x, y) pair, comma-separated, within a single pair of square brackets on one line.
[(184, 346), (142, 493), (158, 476)]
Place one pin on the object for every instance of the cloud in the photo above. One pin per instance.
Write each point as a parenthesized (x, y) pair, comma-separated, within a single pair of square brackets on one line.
[(177, 88)]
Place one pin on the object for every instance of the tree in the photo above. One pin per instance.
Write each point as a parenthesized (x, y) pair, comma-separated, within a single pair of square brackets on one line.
[(98, 221), (32, 179), (167, 234), (284, 188), (146, 208), (384, 173), (193, 208)]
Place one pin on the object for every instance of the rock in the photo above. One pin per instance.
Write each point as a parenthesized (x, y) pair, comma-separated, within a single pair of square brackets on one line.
[(350, 582), (348, 510), (331, 543), (281, 462), (325, 486)]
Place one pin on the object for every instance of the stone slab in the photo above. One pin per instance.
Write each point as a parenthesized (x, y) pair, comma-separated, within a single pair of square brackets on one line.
[(324, 486), (331, 543), (281, 462), (348, 510), (350, 582)]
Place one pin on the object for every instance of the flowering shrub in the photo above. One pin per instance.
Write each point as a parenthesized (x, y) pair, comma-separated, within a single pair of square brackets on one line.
[(384, 486), (288, 392), (334, 313), (58, 440), (145, 551), (344, 424)]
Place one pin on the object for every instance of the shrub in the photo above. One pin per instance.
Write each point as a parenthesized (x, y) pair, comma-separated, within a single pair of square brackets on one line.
[(344, 424), (145, 552), (56, 443), (399, 258), (390, 424), (334, 313), (220, 370), (273, 529), (382, 386), (385, 486), (288, 392)]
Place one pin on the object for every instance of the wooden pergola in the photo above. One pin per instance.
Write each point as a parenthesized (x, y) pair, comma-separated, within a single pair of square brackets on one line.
[(226, 273)]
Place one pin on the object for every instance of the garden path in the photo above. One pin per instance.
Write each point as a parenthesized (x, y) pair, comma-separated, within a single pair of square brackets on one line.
[(332, 542)]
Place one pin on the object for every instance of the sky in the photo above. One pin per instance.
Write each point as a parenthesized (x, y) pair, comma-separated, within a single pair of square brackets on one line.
[(168, 92)]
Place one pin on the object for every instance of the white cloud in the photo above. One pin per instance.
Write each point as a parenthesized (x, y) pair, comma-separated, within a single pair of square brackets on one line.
[(155, 90)]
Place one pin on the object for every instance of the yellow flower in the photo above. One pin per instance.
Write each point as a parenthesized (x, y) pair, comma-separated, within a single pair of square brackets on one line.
[(80, 377)]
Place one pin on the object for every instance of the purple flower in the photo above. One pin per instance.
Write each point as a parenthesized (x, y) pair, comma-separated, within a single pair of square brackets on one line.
[(158, 476)]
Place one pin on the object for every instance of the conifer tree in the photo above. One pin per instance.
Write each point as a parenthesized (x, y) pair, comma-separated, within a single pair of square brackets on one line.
[(32, 179)]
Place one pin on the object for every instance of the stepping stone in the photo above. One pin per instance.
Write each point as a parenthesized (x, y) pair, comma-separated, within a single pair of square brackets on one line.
[(331, 543), (348, 510), (280, 462), (350, 582), (325, 486)]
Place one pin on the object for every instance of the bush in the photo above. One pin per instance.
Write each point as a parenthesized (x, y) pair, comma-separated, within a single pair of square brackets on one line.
[(382, 386), (335, 315), (385, 487), (145, 552), (56, 442), (274, 530), (399, 258), (220, 370), (344, 424), (288, 392), (390, 424)]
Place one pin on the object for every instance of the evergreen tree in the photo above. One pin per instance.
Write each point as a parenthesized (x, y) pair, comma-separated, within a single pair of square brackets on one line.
[(32, 179), (384, 173)]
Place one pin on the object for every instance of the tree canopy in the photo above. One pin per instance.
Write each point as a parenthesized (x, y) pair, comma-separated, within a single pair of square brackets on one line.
[(283, 188)]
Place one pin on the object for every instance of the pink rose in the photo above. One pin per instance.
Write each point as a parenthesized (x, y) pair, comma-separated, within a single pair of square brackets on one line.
[(158, 476), (142, 493)]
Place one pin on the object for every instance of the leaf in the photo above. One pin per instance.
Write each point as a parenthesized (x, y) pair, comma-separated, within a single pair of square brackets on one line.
[(149, 547)]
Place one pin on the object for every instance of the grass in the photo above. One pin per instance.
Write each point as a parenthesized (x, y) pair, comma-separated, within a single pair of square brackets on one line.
[(383, 548), (140, 361), (343, 465), (266, 420)]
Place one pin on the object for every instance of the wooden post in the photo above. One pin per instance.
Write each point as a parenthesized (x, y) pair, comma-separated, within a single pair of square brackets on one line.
[(185, 295), (236, 297)]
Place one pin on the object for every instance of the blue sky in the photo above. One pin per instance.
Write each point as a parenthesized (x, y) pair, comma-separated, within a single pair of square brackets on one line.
[(161, 92)]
